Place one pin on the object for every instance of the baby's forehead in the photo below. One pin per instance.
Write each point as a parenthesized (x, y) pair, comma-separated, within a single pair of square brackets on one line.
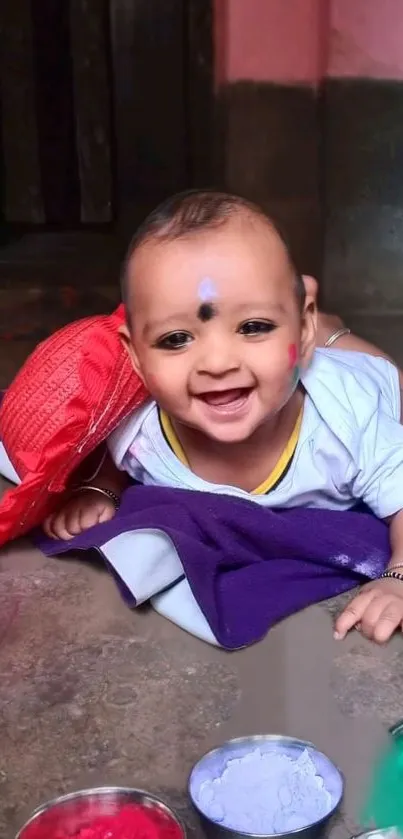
[(241, 257), (245, 238)]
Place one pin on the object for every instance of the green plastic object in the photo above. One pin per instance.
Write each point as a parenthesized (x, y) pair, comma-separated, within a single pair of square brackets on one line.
[(383, 807)]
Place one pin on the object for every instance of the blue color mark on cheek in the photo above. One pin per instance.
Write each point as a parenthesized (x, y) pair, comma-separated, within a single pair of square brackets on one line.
[(207, 290)]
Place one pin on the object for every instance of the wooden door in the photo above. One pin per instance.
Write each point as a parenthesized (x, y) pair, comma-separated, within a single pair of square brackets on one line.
[(163, 99), (106, 107)]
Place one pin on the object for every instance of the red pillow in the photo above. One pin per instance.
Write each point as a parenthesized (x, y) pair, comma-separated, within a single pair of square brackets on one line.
[(69, 395)]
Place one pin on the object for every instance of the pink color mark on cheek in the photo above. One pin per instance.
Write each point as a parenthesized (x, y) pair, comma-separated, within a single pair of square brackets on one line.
[(292, 355)]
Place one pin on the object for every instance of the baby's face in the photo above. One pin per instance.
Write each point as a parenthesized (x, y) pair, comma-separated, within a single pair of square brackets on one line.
[(216, 329)]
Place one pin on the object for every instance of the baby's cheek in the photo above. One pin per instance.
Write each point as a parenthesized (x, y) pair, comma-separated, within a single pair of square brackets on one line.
[(151, 381), (162, 383)]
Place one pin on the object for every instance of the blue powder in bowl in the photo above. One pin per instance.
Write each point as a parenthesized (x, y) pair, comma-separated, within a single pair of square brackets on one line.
[(266, 790)]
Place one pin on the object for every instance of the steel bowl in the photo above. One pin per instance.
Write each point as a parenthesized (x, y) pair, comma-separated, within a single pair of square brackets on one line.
[(213, 764), (76, 810)]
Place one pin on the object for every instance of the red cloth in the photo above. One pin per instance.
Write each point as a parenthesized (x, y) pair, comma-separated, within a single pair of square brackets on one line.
[(69, 395)]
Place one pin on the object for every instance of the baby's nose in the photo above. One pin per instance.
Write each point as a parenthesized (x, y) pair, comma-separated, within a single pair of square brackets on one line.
[(219, 358)]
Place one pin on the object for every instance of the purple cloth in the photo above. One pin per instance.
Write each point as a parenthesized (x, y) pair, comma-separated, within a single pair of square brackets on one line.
[(248, 566)]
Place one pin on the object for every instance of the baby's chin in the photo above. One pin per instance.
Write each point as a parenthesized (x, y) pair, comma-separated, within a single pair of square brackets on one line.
[(228, 434)]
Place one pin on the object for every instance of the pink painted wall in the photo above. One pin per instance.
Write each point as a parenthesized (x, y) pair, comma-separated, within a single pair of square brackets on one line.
[(366, 39), (268, 40), (300, 41)]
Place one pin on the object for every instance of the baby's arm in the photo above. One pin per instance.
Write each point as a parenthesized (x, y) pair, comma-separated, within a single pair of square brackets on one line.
[(88, 506), (329, 324), (376, 478)]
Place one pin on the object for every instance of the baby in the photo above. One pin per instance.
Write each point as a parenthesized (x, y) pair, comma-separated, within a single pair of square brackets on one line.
[(221, 331)]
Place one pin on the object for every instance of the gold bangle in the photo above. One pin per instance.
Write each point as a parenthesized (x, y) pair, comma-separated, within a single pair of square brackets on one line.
[(336, 335), (108, 493)]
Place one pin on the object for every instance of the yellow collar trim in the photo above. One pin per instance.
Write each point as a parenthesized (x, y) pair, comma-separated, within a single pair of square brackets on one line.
[(284, 460), (171, 437), (276, 473)]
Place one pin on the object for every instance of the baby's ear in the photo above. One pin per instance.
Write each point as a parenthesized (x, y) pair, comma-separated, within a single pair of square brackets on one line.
[(124, 334), (311, 288), (125, 337), (309, 326)]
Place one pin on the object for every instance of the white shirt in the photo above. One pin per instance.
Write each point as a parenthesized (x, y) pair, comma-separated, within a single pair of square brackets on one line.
[(350, 446)]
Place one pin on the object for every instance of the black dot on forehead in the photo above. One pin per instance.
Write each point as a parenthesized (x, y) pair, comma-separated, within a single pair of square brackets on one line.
[(206, 312)]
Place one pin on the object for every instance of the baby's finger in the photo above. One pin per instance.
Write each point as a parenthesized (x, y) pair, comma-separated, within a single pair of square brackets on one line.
[(389, 621), (47, 527), (352, 614), (60, 529), (107, 514), (55, 527), (72, 521), (372, 615), (89, 517)]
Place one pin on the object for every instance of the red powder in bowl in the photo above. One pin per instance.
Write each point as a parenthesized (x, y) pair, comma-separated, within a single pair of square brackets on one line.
[(131, 822)]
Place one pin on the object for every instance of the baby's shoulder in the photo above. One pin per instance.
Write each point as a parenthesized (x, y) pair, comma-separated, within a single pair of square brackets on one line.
[(123, 437), (348, 388), (351, 375)]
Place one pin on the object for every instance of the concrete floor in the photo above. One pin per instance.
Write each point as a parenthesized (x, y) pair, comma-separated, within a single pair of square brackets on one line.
[(92, 693)]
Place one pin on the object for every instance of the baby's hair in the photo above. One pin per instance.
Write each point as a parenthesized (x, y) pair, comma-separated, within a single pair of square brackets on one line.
[(191, 212)]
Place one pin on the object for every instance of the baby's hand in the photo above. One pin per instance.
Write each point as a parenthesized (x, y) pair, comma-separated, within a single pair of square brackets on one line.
[(377, 611), (82, 511)]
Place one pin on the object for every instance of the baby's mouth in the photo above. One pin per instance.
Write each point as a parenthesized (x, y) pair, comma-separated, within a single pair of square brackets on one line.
[(231, 398)]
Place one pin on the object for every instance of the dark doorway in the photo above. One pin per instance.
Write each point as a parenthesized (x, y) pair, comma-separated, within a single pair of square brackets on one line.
[(163, 95), (106, 107)]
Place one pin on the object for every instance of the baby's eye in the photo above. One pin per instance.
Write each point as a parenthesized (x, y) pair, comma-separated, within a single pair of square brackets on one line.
[(256, 327), (174, 341)]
